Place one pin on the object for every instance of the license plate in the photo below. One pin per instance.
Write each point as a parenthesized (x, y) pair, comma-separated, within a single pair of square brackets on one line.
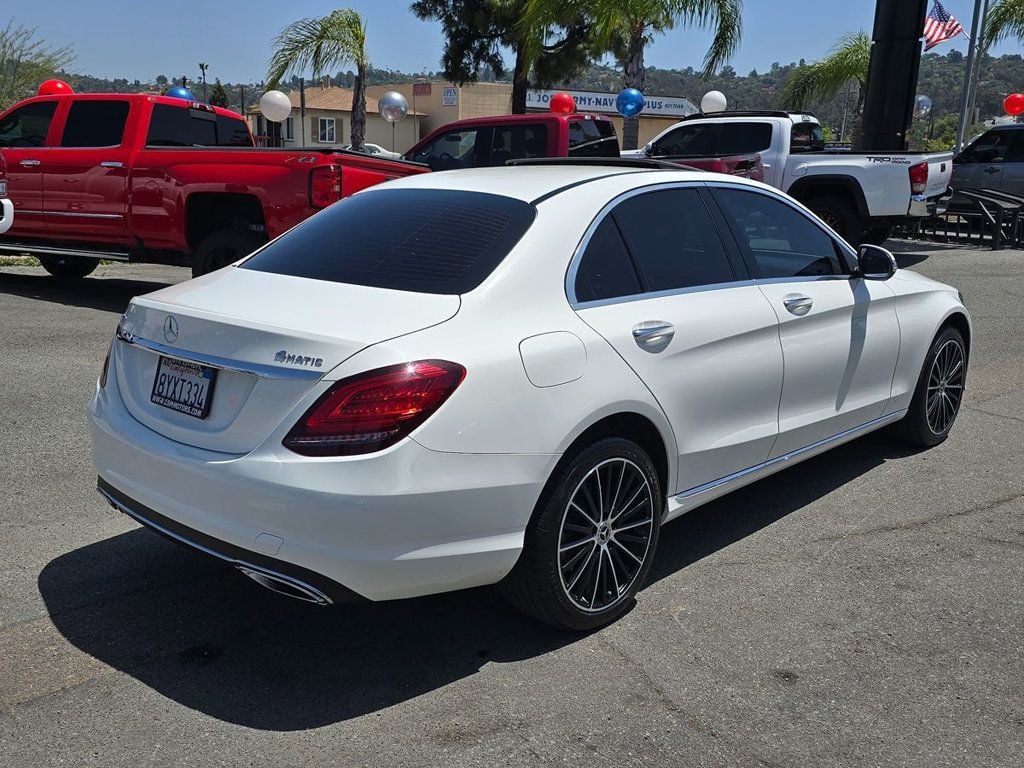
[(184, 387)]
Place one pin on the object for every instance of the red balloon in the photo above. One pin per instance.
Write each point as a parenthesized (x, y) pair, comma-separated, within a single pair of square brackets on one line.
[(563, 103), (54, 88), (1014, 104)]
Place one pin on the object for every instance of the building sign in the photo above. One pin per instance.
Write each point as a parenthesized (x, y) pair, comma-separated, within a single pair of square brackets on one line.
[(591, 101), (449, 97), (420, 89)]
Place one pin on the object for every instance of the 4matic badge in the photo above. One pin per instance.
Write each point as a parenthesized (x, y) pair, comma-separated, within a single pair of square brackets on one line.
[(289, 359)]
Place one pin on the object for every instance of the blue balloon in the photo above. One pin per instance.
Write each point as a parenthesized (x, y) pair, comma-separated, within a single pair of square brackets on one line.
[(180, 92), (630, 102)]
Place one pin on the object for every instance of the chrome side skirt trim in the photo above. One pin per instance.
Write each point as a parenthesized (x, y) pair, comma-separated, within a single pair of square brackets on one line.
[(849, 433), (263, 576), (224, 363)]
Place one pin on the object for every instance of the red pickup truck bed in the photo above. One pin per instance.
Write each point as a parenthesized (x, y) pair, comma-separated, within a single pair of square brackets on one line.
[(151, 178)]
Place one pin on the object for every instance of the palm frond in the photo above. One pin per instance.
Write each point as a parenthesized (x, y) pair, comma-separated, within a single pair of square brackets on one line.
[(849, 60), (1005, 19), (315, 45)]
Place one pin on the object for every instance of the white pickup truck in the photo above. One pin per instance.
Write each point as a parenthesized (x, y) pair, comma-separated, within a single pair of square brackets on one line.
[(861, 195)]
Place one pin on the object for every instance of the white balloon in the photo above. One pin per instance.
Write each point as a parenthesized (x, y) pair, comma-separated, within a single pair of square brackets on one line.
[(713, 101), (275, 106), (392, 106)]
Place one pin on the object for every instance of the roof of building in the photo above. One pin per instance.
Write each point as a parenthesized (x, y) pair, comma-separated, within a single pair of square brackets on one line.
[(331, 99)]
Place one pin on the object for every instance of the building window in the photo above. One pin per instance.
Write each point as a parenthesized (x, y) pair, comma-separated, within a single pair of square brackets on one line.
[(327, 135), (289, 128)]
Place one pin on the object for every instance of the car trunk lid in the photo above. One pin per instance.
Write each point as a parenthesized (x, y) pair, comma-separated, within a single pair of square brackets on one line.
[(262, 341)]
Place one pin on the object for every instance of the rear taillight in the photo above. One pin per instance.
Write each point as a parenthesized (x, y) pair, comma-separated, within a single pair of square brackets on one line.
[(919, 178), (324, 186), (376, 409)]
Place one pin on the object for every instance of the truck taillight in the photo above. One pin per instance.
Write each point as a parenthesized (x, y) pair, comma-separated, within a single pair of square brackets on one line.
[(373, 410), (324, 186), (919, 178)]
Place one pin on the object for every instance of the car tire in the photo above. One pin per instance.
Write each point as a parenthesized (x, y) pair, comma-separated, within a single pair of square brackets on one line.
[(224, 247), (939, 392), (841, 215), (557, 580), (68, 267), (877, 235)]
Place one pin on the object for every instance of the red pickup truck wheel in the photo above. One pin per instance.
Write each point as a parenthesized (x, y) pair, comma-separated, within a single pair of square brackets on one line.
[(68, 267), (225, 247)]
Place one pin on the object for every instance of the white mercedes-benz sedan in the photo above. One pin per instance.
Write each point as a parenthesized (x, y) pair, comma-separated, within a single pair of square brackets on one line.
[(510, 375)]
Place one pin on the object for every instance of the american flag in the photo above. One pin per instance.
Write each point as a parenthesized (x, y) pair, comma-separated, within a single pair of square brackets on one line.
[(940, 26)]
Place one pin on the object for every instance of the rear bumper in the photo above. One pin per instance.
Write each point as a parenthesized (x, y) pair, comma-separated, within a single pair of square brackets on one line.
[(400, 523), (925, 207), (6, 215)]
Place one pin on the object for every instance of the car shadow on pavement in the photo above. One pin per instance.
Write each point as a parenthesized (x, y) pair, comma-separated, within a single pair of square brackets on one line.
[(106, 294), (206, 637)]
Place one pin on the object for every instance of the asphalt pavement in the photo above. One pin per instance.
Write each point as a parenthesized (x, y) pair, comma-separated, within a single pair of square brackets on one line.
[(864, 608)]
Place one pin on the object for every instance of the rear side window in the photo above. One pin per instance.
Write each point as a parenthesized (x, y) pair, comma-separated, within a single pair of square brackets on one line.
[(455, 149), (744, 138), (807, 137), (172, 126), (517, 141), (606, 270), (782, 241), (95, 124), (592, 138), (422, 240), (674, 240), (27, 126)]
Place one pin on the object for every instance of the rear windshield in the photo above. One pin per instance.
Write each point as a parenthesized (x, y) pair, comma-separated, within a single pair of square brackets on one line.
[(422, 240), (185, 127)]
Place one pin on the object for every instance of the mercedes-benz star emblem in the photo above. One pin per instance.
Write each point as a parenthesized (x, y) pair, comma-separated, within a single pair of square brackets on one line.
[(171, 329)]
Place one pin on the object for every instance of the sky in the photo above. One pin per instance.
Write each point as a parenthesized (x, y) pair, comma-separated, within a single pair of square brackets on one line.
[(114, 38)]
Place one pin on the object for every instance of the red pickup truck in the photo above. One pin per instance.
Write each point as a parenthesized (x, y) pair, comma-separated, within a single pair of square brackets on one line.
[(134, 177)]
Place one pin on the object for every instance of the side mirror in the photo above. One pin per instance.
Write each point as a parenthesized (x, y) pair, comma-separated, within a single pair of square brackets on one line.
[(875, 263), (648, 149)]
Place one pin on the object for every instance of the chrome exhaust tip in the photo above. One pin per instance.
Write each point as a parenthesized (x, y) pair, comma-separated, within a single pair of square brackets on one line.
[(286, 586)]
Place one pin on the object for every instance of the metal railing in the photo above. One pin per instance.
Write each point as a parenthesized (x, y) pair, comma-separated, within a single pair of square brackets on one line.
[(980, 217)]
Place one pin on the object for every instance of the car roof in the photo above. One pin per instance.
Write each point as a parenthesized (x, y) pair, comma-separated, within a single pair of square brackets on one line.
[(531, 183)]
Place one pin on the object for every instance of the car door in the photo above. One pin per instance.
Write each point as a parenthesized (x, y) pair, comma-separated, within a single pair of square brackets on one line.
[(657, 281), (840, 337), (85, 181), (980, 166), (23, 138)]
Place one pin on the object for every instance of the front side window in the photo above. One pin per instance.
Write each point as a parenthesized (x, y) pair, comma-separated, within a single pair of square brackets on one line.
[(695, 140), (327, 133), (438, 241), (782, 241), (606, 270), (27, 126), (455, 149), (592, 138), (514, 142), (674, 240), (989, 148), (95, 124)]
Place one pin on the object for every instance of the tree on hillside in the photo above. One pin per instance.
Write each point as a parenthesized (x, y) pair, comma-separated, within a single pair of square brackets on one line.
[(316, 45), (218, 95), (478, 31), (1005, 19), (625, 27), (25, 61), (823, 80)]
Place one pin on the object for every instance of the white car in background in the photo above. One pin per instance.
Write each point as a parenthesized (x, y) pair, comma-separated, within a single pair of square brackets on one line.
[(377, 151), (510, 375)]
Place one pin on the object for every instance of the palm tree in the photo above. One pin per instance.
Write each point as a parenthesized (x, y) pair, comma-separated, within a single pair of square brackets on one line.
[(322, 44), (824, 79), (1005, 19), (626, 26)]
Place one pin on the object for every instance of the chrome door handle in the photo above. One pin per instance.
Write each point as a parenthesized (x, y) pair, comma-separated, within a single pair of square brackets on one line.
[(30, 163), (798, 305), (653, 333), (993, 169), (111, 164)]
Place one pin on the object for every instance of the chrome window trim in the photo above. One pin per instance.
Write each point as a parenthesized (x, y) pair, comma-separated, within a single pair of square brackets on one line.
[(223, 363)]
